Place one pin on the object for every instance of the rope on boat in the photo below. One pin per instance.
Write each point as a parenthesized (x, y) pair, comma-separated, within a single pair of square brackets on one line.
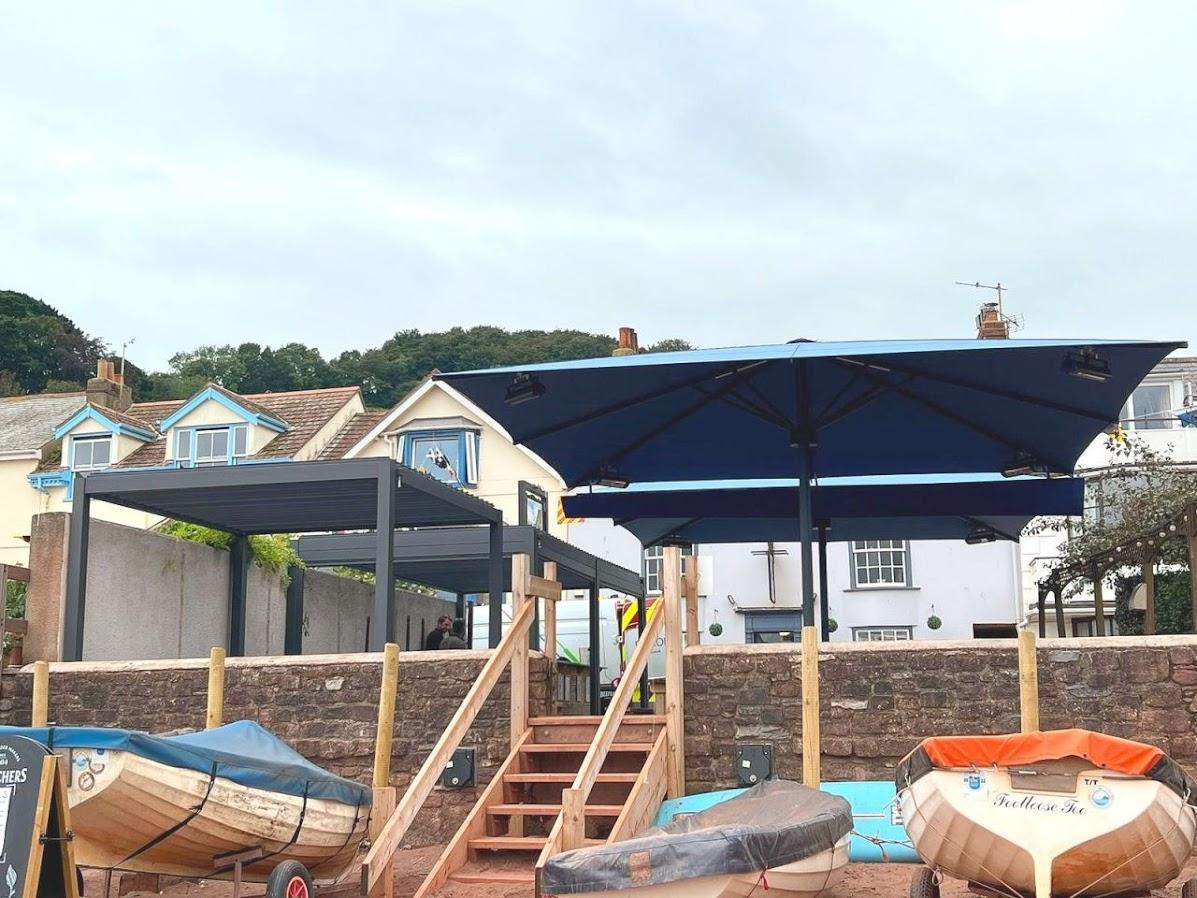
[(881, 842), (163, 836)]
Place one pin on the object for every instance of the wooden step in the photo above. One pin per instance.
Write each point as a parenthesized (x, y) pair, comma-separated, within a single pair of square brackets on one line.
[(517, 843), (566, 778), (580, 748), (551, 810), (497, 876), (592, 720)]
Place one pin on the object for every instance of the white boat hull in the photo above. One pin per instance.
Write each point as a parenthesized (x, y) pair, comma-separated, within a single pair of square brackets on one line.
[(121, 802), (1114, 834)]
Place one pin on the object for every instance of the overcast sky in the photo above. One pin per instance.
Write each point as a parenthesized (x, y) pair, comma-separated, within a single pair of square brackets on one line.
[(723, 172)]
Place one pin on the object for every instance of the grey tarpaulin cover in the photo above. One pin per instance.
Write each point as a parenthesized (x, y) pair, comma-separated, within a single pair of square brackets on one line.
[(774, 823)]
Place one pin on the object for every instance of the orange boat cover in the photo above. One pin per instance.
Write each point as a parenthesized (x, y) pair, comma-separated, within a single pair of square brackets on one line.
[(1107, 752)]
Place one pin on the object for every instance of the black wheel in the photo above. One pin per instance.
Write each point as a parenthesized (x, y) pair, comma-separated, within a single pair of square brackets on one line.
[(1189, 889), (79, 881), (924, 885), (290, 879)]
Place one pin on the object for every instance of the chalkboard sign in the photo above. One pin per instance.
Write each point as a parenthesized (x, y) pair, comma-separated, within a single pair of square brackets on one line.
[(36, 860)]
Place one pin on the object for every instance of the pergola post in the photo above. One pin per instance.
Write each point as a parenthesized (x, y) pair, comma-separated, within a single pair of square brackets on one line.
[(382, 629), (1191, 544), (238, 583), (1058, 601), (1149, 583), (1042, 611), (824, 610), (495, 581), (1099, 604), (596, 699), (293, 615), (76, 577)]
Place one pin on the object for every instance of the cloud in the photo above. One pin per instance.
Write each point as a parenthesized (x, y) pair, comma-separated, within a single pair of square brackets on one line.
[(729, 173)]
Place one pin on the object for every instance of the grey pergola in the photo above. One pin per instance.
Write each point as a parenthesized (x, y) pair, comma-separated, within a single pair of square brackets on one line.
[(375, 494), (457, 560)]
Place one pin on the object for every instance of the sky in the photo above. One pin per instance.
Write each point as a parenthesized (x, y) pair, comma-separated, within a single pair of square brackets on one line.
[(727, 173)]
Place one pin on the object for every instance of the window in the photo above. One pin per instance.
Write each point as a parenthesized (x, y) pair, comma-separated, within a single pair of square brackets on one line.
[(880, 564), (1087, 626), (448, 455), (91, 453), (533, 506), (210, 447), (653, 559), (1149, 408), (882, 634), (772, 626)]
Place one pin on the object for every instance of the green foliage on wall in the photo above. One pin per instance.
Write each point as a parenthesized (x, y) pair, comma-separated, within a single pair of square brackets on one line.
[(1173, 603), (273, 553)]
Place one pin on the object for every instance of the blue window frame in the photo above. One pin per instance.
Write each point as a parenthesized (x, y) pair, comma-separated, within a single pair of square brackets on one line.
[(205, 447), (450, 456)]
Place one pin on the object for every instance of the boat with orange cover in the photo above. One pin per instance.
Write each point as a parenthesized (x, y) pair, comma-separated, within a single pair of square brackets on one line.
[(1058, 814)]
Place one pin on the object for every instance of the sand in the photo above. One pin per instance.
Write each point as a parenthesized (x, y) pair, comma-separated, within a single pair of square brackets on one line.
[(861, 881)]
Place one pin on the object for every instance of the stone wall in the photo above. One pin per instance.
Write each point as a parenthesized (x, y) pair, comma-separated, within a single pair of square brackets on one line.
[(324, 706), (878, 701)]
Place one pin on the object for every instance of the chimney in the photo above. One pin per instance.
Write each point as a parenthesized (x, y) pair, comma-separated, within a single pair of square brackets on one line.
[(628, 344), (107, 389), (990, 323)]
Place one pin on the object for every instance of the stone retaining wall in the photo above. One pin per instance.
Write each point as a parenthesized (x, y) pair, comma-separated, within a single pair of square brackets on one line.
[(878, 701), (325, 706)]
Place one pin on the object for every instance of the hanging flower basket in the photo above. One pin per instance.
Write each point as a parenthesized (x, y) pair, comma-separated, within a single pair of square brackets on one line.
[(832, 625), (715, 629), (934, 623)]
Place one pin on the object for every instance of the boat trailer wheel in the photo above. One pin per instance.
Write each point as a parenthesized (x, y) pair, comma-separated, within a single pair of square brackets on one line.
[(1189, 889), (924, 884), (290, 879)]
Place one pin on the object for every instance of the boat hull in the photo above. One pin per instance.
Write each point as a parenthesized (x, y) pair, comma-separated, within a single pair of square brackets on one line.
[(1112, 834), (806, 878), (123, 804)]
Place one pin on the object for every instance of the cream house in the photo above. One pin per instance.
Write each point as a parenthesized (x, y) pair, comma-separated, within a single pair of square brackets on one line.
[(46, 440), (437, 430)]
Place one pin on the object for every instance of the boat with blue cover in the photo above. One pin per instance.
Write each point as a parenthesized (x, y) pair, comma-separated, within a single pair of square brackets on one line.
[(177, 804)]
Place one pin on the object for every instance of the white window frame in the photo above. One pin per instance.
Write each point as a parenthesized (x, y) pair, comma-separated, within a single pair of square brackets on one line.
[(883, 634), (90, 440), (651, 563), (865, 547), (1130, 415)]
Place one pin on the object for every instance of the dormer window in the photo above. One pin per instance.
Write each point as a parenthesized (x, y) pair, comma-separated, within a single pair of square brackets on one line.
[(91, 453), (207, 447), (448, 454)]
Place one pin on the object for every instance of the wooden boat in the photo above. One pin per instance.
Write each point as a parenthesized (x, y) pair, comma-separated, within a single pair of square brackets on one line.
[(175, 805), (777, 835), (1061, 813)]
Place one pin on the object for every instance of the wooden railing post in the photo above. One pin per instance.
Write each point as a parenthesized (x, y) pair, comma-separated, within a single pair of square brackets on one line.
[(550, 619), (41, 694), (383, 792), (1028, 682), (520, 572), (671, 595), (811, 742), (690, 584), (215, 715), (573, 819)]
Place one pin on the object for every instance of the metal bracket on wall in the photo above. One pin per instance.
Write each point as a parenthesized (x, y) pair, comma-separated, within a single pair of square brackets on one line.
[(459, 771), (754, 763)]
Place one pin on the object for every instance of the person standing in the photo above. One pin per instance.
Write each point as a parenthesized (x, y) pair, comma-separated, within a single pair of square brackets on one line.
[(433, 640), (456, 637)]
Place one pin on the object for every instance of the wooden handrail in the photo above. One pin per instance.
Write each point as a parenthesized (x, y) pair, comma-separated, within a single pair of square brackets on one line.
[(382, 852), (608, 729)]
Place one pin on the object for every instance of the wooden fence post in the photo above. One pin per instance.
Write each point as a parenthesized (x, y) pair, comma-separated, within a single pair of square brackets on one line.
[(520, 572), (811, 743), (550, 619), (690, 582), (41, 694), (215, 715), (1028, 681), (573, 819), (671, 596), (383, 791)]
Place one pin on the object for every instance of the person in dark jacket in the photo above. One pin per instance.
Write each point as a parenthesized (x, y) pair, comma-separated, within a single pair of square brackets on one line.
[(433, 639), (456, 637)]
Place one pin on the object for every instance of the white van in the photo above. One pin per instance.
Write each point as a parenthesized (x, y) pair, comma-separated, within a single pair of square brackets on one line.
[(573, 637)]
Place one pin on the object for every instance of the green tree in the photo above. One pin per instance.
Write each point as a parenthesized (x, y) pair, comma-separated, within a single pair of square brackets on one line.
[(38, 344)]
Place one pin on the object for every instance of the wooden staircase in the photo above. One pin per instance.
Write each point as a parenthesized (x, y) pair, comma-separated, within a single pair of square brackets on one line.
[(505, 833)]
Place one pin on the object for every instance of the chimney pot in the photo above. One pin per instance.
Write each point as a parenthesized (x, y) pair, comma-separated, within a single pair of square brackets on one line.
[(107, 389), (628, 343)]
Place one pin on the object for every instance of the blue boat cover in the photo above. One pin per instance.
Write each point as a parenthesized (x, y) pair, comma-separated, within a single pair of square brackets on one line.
[(243, 752)]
